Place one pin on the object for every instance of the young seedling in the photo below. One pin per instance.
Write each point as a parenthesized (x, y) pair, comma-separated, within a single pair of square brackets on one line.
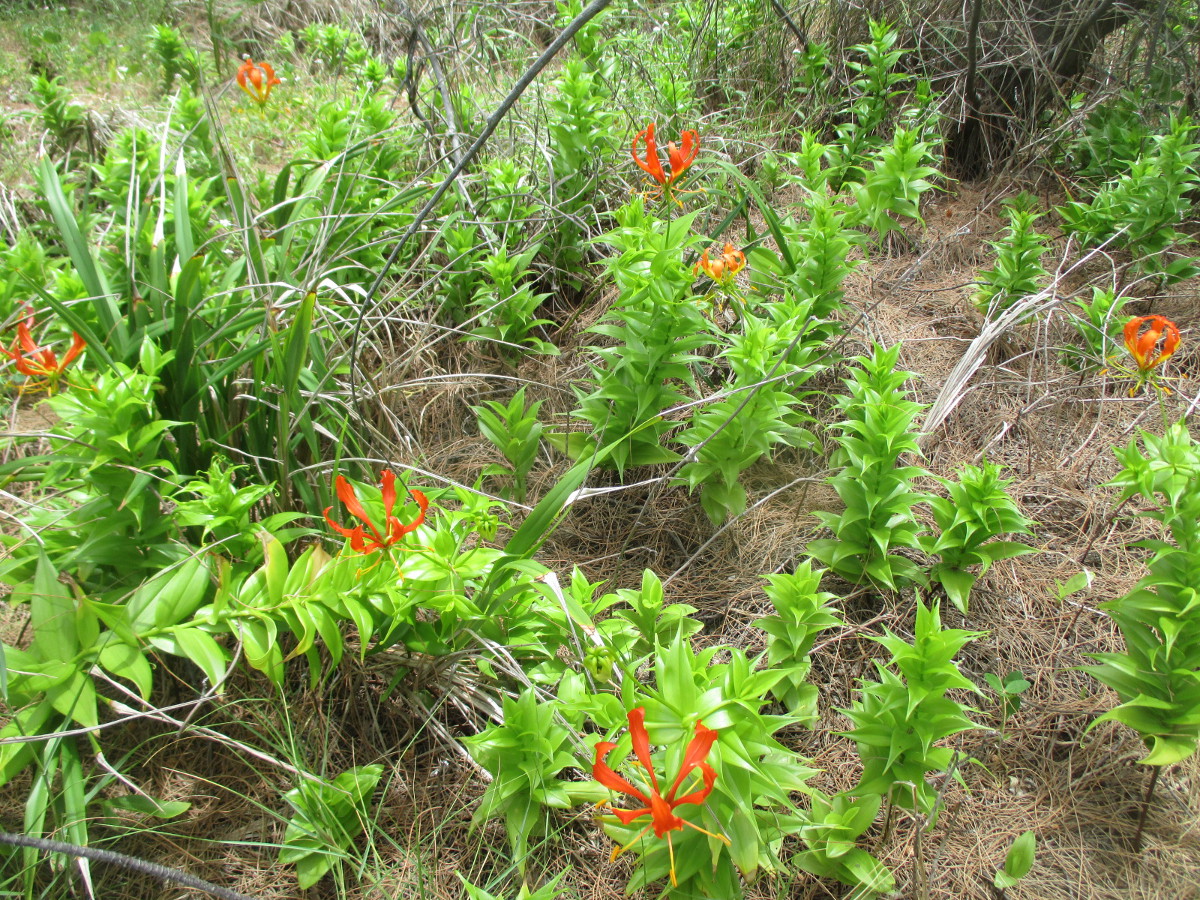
[(1017, 863)]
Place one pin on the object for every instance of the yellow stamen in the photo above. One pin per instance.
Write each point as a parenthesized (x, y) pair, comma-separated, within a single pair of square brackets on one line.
[(671, 851), (719, 837), (617, 851)]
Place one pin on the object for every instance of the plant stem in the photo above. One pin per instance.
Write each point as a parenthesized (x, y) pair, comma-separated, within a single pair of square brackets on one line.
[(887, 820), (1137, 837)]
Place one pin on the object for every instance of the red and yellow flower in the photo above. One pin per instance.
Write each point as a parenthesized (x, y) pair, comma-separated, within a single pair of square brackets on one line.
[(41, 364), (723, 268), (659, 807), (679, 159), (256, 79), (1153, 346), (366, 538)]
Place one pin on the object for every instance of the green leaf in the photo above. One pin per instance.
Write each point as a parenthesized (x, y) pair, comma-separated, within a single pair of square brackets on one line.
[(149, 806), (202, 649), (1073, 585), (275, 570), (1020, 856), (102, 299), (126, 661), (998, 550), (958, 586), (170, 596), (312, 868), (52, 611), (73, 796), (76, 697), (1168, 749), (37, 804), (260, 639)]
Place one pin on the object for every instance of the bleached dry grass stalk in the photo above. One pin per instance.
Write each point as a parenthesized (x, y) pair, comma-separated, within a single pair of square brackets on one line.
[(957, 382)]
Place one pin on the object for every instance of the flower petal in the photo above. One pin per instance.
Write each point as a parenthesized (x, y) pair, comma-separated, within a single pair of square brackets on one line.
[(681, 159), (651, 166), (345, 492), (628, 816), (1131, 332), (694, 756), (397, 529), (700, 795), (77, 345), (1171, 342), (664, 818), (611, 780), (387, 483), (336, 527), (28, 346), (641, 742)]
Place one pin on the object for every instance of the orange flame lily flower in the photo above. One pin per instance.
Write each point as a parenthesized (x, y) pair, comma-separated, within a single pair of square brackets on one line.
[(679, 159), (660, 808), (40, 362), (1144, 347), (256, 79), (722, 269), (393, 529)]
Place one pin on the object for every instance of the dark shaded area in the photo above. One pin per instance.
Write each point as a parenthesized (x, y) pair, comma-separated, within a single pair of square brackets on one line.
[(1022, 68)]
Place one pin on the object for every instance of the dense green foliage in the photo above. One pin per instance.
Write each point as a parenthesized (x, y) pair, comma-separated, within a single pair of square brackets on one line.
[(245, 329)]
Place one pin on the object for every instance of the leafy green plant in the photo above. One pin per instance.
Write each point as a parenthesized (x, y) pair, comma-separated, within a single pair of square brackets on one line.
[(1099, 324), (872, 93), (900, 718), (328, 816), (654, 330), (524, 755), (1139, 210), (1018, 271), (1017, 862), (1156, 675), (811, 80), (976, 511), (222, 508), (330, 44), (769, 361), (1009, 692), (65, 120), (507, 305), (739, 829), (582, 130), (107, 525), (876, 488), (642, 621), (50, 685), (514, 430), (1114, 134), (834, 824), (371, 72), (505, 202), (175, 57), (460, 279), (802, 611), (219, 320), (893, 186), (808, 272), (548, 891)]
